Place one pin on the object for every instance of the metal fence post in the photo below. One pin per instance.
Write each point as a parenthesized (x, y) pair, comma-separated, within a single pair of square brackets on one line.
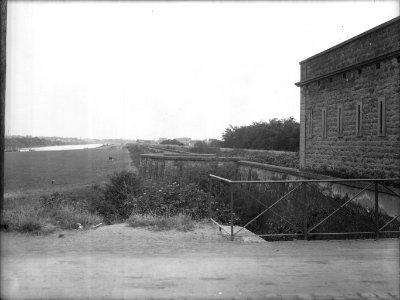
[(231, 188), (305, 221), (209, 197), (376, 210)]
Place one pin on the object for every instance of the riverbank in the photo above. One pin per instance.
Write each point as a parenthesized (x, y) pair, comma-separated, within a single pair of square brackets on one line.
[(62, 147)]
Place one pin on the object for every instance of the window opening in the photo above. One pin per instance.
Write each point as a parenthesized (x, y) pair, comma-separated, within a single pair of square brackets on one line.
[(381, 117), (310, 124), (359, 119), (340, 121), (324, 122)]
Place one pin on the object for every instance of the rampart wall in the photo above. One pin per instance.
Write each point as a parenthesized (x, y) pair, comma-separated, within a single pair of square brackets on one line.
[(158, 166)]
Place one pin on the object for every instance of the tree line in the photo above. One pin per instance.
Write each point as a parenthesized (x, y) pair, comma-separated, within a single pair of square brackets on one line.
[(276, 134), (13, 143)]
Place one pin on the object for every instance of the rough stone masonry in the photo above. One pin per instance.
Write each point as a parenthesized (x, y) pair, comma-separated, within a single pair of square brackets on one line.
[(350, 105)]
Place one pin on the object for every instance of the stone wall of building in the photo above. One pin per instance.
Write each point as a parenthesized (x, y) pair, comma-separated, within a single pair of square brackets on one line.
[(373, 43), (362, 71)]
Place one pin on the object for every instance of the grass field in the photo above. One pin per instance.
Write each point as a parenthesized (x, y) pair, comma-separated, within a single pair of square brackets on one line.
[(29, 173)]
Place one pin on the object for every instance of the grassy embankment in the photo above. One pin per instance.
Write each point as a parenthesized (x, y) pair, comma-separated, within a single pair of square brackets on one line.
[(50, 191), (174, 203), (46, 191)]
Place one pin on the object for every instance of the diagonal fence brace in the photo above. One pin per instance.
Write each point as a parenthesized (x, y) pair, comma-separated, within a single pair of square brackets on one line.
[(266, 206), (384, 226), (269, 208), (336, 210), (390, 190)]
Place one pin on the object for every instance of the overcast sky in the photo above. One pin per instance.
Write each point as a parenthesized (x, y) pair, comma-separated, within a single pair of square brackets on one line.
[(155, 69)]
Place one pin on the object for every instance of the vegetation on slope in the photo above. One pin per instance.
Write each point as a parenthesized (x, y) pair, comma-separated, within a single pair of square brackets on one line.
[(177, 202)]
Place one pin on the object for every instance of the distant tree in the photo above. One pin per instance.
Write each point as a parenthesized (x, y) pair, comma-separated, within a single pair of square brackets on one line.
[(276, 134), (200, 147), (215, 143), (172, 142)]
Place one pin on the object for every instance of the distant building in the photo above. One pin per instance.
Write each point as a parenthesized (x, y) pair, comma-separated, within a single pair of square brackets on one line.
[(350, 105), (184, 140)]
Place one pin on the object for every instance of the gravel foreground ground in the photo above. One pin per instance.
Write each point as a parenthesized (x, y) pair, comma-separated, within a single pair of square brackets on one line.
[(119, 262)]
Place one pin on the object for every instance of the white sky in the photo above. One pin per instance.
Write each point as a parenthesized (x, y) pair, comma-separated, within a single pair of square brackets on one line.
[(156, 69)]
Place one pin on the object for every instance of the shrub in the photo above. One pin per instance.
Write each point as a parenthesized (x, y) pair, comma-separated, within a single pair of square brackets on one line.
[(118, 198), (172, 199), (195, 201), (180, 222), (126, 193)]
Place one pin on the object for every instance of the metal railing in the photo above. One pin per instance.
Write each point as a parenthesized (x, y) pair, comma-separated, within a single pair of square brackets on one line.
[(306, 229)]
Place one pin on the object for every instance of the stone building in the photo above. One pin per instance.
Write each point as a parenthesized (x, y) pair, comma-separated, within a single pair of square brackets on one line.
[(350, 106)]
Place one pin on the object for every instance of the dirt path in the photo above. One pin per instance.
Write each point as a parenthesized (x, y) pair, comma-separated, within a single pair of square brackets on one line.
[(121, 262)]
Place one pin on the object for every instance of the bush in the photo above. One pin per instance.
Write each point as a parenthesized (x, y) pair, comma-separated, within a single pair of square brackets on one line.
[(180, 222), (173, 199), (118, 198), (126, 193), (193, 193)]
